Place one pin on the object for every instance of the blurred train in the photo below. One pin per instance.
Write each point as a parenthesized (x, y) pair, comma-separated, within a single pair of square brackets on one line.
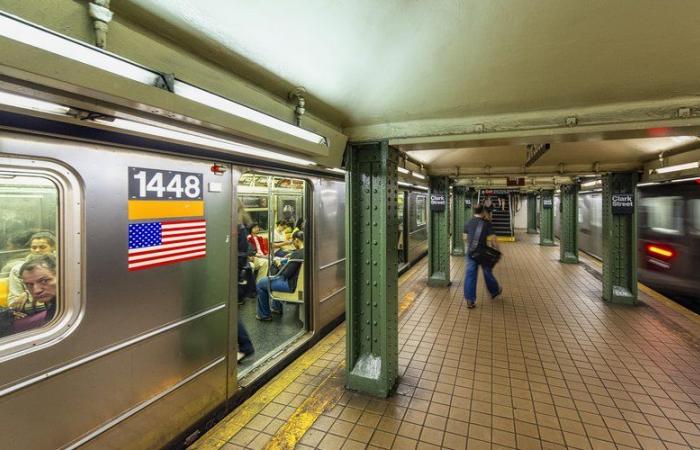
[(668, 232), (141, 351)]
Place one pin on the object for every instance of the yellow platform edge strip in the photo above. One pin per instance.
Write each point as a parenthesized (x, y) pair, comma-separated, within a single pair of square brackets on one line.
[(506, 238), (164, 209)]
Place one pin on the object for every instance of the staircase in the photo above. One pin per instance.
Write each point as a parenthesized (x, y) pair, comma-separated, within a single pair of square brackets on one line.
[(501, 214)]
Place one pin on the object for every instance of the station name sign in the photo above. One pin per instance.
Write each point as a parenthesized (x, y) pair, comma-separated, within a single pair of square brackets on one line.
[(468, 202), (622, 204), (547, 202), (438, 203)]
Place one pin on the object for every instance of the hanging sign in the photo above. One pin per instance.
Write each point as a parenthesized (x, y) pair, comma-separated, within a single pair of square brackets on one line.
[(547, 202), (437, 202), (468, 202), (622, 204)]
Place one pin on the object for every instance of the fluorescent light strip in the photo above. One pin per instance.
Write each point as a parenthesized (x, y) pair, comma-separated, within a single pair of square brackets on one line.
[(684, 179), (652, 183), (404, 170), (418, 175), (677, 167), (403, 183), (30, 34), (207, 98), (337, 170), (425, 188), (591, 183), (200, 139), (25, 33), (20, 101)]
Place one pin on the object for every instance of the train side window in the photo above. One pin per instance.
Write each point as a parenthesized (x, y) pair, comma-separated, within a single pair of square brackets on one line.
[(40, 253), (694, 215), (663, 214), (29, 278)]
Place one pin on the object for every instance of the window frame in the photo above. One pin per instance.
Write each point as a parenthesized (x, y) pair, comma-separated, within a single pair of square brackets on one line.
[(70, 223)]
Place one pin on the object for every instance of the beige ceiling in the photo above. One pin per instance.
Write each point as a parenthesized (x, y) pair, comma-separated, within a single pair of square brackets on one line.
[(437, 74)]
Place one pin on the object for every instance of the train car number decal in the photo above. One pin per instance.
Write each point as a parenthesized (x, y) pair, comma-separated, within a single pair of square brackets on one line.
[(153, 184)]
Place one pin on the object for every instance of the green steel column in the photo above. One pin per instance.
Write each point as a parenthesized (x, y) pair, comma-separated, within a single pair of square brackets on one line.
[(619, 238), (438, 237), (568, 240), (547, 217), (459, 194), (371, 234), (532, 213), (469, 204)]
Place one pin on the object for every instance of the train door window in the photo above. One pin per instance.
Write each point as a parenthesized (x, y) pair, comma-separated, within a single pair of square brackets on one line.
[(400, 204), (272, 294), (663, 214), (694, 215), (421, 210), (29, 249)]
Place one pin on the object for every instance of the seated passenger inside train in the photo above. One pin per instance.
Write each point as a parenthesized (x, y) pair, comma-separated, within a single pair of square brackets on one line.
[(284, 281), (281, 243), (19, 297), (15, 243), (39, 276), (260, 258)]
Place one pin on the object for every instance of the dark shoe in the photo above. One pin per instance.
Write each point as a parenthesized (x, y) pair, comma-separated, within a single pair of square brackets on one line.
[(274, 311), (498, 295), (471, 304), (264, 319)]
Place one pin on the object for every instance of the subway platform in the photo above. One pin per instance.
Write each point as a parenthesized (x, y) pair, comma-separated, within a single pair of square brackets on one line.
[(550, 365)]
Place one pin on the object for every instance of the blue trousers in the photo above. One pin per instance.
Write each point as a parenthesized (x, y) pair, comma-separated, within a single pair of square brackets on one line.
[(470, 280), (278, 284), (245, 345)]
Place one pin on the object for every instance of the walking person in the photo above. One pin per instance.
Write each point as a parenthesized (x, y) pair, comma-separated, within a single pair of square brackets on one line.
[(479, 231)]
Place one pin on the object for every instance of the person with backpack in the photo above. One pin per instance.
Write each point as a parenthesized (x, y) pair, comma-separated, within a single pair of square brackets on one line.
[(477, 232)]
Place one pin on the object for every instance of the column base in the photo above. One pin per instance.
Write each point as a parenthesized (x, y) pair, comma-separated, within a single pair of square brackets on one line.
[(531, 231), (362, 380), (547, 243), (621, 296), (457, 252), (439, 279), (569, 258)]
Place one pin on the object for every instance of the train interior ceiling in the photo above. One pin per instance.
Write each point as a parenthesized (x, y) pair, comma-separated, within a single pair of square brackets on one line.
[(129, 165)]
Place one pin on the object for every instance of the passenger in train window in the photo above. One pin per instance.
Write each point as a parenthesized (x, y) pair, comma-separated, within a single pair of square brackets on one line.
[(298, 226), (41, 243), (16, 242), (281, 241), (284, 281), (246, 278), (259, 244), (39, 276)]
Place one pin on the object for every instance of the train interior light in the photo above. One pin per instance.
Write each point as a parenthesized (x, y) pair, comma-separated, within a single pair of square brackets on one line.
[(20, 101)]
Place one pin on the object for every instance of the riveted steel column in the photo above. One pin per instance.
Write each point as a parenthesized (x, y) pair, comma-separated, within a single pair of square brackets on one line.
[(568, 241), (458, 218), (371, 235), (532, 213), (619, 241), (438, 240), (547, 217)]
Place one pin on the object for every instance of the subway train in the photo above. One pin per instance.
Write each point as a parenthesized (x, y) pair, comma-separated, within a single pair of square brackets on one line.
[(668, 233), (136, 346)]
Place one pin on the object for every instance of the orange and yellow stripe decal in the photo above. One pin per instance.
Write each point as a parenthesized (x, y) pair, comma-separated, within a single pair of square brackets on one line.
[(165, 209)]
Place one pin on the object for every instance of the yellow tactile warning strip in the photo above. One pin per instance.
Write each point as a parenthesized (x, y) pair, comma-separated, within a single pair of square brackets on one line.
[(308, 411), (550, 365)]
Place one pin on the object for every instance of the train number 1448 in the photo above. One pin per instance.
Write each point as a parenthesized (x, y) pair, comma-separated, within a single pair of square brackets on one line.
[(150, 184)]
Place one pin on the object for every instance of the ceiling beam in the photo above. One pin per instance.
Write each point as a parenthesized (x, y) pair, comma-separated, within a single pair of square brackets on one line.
[(534, 152)]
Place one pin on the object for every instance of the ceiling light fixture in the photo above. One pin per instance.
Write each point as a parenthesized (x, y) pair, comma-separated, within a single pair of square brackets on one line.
[(20, 101), (337, 170), (14, 28), (201, 139), (418, 175), (591, 183), (681, 180), (676, 168), (404, 170), (403, 183)]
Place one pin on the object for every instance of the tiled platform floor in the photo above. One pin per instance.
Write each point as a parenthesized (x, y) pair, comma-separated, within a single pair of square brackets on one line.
[(548, 366)]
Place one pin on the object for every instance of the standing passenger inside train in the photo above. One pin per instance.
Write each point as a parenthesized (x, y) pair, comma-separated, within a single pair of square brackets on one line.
[(15, 242), (42, 243), (259, 244), (284, 281)]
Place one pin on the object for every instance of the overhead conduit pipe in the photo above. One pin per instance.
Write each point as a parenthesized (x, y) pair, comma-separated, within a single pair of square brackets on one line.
[(101, 16)]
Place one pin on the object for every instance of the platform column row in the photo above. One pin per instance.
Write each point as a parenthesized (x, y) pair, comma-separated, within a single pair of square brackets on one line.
[(438, 235), (459, 208), (568, 241), (372, 275), (532, 213), (619, 238), (547, 217)]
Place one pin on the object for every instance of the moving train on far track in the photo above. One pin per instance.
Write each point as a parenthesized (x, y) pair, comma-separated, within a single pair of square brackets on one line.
[(128, 338), (668, 232)]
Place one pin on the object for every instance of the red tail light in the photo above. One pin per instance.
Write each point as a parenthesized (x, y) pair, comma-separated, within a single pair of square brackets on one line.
[(660, 251)]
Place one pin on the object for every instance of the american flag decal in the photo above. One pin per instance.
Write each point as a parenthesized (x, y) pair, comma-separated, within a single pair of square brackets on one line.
[(153, 244)]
